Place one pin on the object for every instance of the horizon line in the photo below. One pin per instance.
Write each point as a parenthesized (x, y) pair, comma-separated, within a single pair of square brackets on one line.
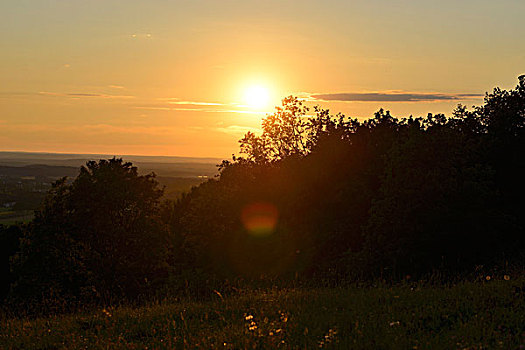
[(106, 154)]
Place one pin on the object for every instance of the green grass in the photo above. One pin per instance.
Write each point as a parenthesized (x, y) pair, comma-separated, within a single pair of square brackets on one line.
[(468, 315), (11, 217)]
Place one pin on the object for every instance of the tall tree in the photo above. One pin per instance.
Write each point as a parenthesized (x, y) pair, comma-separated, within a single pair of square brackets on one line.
[(99, 235)]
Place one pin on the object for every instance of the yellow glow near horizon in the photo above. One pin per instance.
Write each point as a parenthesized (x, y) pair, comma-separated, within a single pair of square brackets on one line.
[(103, 79), (257, 96)]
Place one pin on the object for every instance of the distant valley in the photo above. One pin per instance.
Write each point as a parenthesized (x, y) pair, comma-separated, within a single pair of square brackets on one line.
[(26, 177)]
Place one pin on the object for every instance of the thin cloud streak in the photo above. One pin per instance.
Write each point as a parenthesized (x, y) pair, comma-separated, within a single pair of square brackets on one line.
[(191, 103), (178, 101), (391, 97), (205, 110), (11, 94), (108, 129), (96, 129), (172, 103), (81, 94)]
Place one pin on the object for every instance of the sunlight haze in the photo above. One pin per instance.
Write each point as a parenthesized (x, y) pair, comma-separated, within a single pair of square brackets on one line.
[(189, 78)]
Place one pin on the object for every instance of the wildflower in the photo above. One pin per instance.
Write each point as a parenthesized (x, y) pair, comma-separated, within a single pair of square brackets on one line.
[(506, 278), (330, 337), (395, 323), (252, 326), (488, 278), (106, 312)]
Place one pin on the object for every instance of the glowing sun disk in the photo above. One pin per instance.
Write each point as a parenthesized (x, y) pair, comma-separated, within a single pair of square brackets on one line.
[(257, 97)]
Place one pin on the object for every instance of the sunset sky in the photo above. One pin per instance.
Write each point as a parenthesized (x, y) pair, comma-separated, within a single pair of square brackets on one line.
[(172, 77)]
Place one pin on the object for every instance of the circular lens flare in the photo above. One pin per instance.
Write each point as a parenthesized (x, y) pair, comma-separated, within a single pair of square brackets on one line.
[(259, 218)]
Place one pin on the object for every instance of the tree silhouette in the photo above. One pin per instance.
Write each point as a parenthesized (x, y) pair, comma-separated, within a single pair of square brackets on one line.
[(99, 236), (383, 195), (349, 199), (283, 134), (9, 245)]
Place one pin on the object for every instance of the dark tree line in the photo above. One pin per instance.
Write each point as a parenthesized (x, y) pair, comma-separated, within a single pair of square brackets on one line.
[(99, 238), (384, 196), (324, 197)]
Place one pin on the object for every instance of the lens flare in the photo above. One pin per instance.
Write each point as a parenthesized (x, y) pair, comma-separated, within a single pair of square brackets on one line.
[(259, 218)]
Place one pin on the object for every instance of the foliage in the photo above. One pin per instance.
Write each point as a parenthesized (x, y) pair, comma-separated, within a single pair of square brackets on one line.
[(374, 197), (283, 134), (437, 205), (98, 237), (9, 245), (315, 197)]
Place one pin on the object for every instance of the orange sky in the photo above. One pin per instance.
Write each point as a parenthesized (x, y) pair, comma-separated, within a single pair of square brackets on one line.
[(169, 77)]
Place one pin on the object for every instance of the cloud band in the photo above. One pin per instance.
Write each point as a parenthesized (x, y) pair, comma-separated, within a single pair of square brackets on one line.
[(391, 97)]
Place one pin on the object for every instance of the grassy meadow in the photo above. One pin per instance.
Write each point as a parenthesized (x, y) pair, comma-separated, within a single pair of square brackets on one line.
[(486, 314), (11, 217)]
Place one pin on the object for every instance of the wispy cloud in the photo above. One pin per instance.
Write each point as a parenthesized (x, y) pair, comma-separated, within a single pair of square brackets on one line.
[(237, 129), (10, 94), (83, 94), (178, 104), (95, 129), (178, 101), (191, 103), (141, 35), (205, 110), (110, 129), (391, 96)]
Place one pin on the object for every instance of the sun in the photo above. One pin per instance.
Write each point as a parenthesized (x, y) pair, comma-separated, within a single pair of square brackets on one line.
[(257, 96)]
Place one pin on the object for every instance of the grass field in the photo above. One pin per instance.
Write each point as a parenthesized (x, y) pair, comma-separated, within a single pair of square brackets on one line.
[(10, 217), (488, 314)]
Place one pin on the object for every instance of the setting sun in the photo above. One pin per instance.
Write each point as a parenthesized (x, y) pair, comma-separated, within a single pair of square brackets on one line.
[(262, 174), (257, 96)]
